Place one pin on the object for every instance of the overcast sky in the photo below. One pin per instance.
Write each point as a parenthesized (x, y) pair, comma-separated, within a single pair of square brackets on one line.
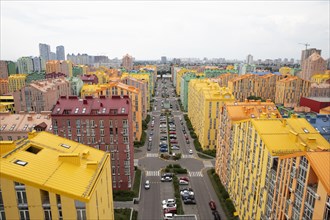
[(151, 29)]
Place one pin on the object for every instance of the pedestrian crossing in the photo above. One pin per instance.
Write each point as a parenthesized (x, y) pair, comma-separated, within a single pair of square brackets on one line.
[(187, 156), (153, 173), (195, 174), (152, 154)]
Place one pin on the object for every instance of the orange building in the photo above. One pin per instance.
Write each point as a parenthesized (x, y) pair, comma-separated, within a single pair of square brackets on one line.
[(303, 186), (231, 114), (243, 86), (266, 86), (4, 86), (289, 91), (223, 79), (59, 66)]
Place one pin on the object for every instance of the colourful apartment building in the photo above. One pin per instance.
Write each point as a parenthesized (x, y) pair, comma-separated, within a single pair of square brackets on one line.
[(102, 123), (118, 88), (142, 85), (320, 89), (289, 91), (143, 78), (321, 78), (303, 186), (89, 79), (59, 66), (16, 126), (4, 86), (230, 114), (223, 79), (41, 95), (285, 70), (266, 86), (16, 82), (127, 62), (76, 85), (7, 103), (174, 71), (314, 64), (256, 147), (49, 177), (179, 75), (3, 70), (243, 86), (185, 79), (205, 100)]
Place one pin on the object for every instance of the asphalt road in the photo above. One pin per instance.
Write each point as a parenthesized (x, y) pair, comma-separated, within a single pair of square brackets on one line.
[(150, 163)]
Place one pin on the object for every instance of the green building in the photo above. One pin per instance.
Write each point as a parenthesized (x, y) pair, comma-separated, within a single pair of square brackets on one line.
[(35, 76), (185, 79), (76, 84), (12, 68), (77, 71)]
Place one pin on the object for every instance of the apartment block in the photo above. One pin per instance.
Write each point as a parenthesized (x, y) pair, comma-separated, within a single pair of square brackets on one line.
[(243, 86), (59, 66), (320, 89), (185, 79), (118, 88), (127, 62), (223, 79), (142, 85), (230, 114), (321, 78), (16, 82), (49, 177), (3, 70), (289, 91), (89, 79), (4, 86), (303, 189), (315, 103), (205, 100), (314, 64), (179, 75), (16, 126), (256, 148), (102, 123), (25, 65), (7, 104), (148, 77), (75, 84), (174, 71), (41, 95), (266, 86)]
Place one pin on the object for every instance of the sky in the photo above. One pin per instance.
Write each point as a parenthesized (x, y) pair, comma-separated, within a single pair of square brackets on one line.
[(148, 30)]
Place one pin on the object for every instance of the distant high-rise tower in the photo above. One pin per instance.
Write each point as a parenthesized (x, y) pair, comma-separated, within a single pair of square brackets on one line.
[(44, 50), (60, 55), (163, 60), (127, 62), (249, 59), (52, 56), (306, 53)]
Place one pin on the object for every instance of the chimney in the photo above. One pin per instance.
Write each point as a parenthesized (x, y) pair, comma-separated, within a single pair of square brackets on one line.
[(268, 100), (72, 158), (284, 123), (92, 164), (293, 136)]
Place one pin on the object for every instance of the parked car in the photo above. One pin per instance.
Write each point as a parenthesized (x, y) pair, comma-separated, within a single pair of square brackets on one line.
[(168, 201), (150, 138), (184, 178), (212, 205), (170, 210), (172, 135), (174, 141), (147, 184), (172, 132), (175, 147), (183, 182), (163, 145), (189, 201), (187, 192), (216, 215), (163, 149), (169, 216), (169, 205), (166, 179), (191, 151), (163, 138), (188, 142)]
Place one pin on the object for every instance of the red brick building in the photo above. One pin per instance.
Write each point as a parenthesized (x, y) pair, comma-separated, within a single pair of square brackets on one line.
[(103, 123)]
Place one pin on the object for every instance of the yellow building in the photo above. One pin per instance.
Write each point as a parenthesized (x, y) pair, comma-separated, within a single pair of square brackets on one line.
[(223, 79), (16, 82), (205, 99), (256, 147), (232, 113), (304, 189), (118, 88), (4, 87), (49, 177), (290, 89), (321, 78), (7, 104), (101, 76)]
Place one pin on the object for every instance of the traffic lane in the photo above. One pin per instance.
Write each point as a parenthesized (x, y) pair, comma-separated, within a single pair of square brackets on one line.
[(180, 136), (152, 163), (191, 164), (202, 196), (148, 208)]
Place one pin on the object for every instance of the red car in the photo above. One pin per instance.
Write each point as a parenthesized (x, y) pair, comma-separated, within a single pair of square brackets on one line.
[(212, 205), (172, 132), (173, 141), (184, 178), (170, 210)]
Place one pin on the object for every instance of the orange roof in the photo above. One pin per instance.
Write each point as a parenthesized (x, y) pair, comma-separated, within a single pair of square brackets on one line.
[(242, 77), (320, 162)]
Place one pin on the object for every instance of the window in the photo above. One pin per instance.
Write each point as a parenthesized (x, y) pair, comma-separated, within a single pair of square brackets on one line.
[(2, 210), (81, 210), (24, 213), (68, 122), (21, 162), (21, 197), (33, 149), (47, 213), (101, 123)]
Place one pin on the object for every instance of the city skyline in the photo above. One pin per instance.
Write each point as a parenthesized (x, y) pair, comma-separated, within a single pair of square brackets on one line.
[(149, 30)]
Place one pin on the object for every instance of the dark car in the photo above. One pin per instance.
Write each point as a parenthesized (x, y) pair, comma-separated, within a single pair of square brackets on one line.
[(212, 205), (188, 142), (216, 215), (163, 138), (163, 150), (189, 201)]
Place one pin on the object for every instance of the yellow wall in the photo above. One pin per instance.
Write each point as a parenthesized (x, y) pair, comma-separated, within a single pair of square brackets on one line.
[(16, 82)]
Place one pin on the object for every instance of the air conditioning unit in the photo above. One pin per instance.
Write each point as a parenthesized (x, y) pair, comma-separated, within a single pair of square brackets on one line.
[(317, 196), (289, 201), (291, 190)]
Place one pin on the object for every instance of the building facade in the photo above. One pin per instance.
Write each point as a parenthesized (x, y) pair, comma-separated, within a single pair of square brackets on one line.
[(60, 54), (230, 114), (41, 95), (44, 51), (127, 62), (25, 65), (118, 88), (4, 86), (59, 66), (49, 177), (313, 65), (3, 69), (102, 123), (205, 100), (16, 82), (257, 146), (289, 91)]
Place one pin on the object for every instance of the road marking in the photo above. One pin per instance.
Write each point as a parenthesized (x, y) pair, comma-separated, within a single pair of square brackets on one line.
[(152, 154), (195, 174), (153, 173), (207, 163), (187, 156)]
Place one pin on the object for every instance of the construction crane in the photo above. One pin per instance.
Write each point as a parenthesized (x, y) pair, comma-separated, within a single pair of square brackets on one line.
[(306, 45)]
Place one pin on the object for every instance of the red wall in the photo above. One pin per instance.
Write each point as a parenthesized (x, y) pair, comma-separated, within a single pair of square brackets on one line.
[(313, 104)]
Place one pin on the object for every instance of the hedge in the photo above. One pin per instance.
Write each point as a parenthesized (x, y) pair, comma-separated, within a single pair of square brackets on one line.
[(177, 196)]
